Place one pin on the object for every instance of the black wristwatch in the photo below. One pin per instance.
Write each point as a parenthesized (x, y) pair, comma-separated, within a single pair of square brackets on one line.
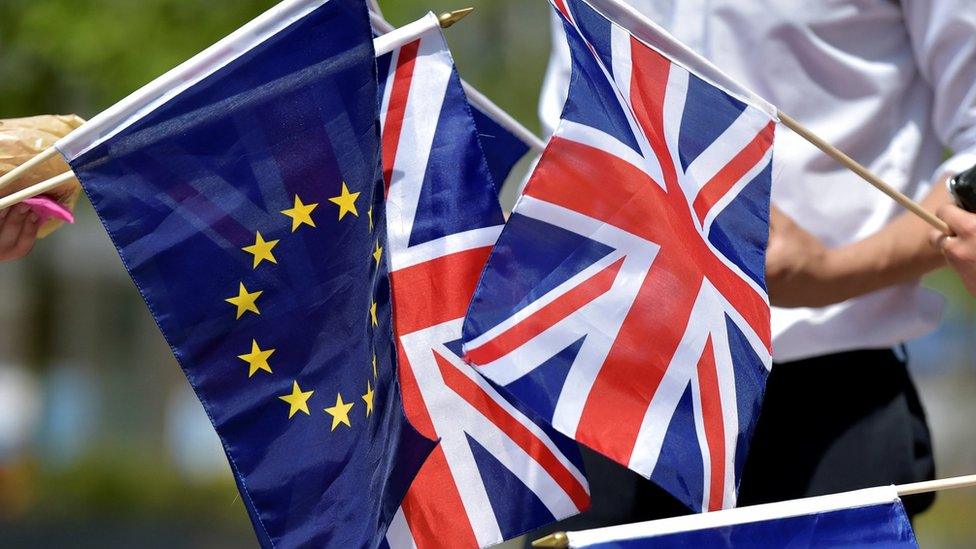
[(963, 188)]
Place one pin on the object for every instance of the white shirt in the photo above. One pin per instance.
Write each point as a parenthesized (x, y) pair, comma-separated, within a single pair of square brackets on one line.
[(892, 83)]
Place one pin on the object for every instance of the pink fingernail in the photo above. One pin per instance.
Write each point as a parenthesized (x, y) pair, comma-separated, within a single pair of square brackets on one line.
[(22, 209), (33, 217)]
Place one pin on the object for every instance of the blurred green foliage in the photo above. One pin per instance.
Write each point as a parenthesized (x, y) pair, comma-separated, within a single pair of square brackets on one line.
[(115, 500), (83, 55)]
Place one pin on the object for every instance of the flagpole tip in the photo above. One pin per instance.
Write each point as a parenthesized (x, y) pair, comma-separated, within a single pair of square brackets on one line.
[(558, 540), (448, 18)]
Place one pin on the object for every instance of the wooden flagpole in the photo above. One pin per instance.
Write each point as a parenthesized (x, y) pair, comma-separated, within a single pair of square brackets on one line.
[(26, 167), (560, 540), (865, 173), (446, 20), (690, 56), (936, 485), (34, 190)]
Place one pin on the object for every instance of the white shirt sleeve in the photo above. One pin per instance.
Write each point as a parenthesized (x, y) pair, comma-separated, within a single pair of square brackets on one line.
[(943, 36)]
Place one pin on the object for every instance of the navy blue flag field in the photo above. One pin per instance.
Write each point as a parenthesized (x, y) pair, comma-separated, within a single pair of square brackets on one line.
[(865, 518), (502, 148), (244, 194)]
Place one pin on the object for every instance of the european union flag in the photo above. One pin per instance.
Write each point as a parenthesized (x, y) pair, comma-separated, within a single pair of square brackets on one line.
[(244, 195)]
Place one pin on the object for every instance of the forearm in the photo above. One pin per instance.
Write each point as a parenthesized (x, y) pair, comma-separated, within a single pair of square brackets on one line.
[(897, 254)]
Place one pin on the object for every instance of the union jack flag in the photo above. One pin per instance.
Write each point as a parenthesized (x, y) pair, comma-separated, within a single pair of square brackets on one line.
[(496, 471), (625, 300)]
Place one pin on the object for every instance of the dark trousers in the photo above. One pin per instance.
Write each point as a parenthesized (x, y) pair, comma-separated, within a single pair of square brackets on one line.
[(828, 424), (836, 423), (617, 496)]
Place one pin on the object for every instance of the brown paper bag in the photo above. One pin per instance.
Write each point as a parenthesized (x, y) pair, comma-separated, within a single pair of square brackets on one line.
[(23, 138)]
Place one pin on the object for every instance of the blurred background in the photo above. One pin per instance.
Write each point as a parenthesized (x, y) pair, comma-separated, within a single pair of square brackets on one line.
[(102, 443)]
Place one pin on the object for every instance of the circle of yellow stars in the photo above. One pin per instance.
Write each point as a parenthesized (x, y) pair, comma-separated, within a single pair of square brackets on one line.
[(246, 301)]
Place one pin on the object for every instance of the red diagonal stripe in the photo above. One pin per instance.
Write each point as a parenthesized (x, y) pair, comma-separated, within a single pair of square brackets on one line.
[(640, 356), (604, 187), (546, 317), (432, 506), (515, 430), (713, 420), (397, 107), (741, 296), (413, 401), (451, 278), (561, 6), (649, 85), (434, 509), (719, 185)]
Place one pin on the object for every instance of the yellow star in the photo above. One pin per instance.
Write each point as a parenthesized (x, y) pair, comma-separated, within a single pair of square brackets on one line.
[(340, 412), (368, 398), (370, 214), (298, 400), (374, 365), (301, 214), (346, 202), (378, 253), (372, 313), (257, 358), (261, 250), (245, 301)]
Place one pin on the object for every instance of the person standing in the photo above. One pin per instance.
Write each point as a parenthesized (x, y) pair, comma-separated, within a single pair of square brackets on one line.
[(892, 83)]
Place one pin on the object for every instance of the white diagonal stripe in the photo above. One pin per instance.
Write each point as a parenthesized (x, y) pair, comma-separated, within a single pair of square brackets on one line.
[(679, 373), (424, 104), (450, 244), (455, 419), (398, 535), (735, 190), (720, 152)]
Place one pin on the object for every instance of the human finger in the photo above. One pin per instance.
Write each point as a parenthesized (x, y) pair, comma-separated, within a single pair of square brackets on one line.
[(12, 224)]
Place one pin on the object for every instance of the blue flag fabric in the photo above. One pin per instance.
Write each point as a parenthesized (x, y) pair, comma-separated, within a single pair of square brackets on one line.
[(865, 518), (247, 207), (502, 148)]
